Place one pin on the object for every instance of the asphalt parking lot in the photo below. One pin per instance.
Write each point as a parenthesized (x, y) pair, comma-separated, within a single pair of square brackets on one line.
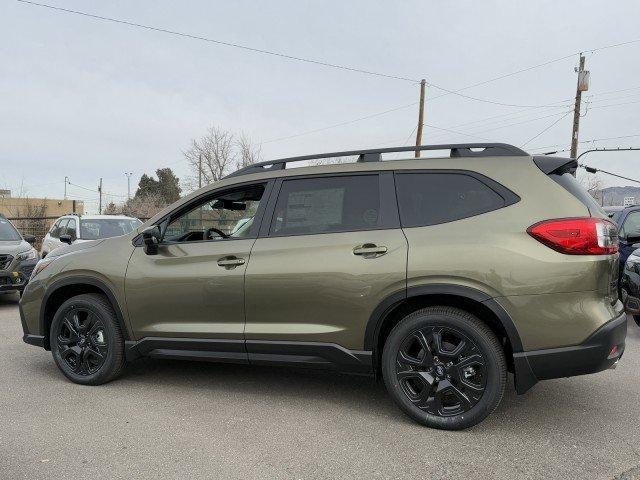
[(167, 419)]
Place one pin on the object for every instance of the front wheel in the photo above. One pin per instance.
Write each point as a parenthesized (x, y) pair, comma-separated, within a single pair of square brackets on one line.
[(86, 340), (444, 368)]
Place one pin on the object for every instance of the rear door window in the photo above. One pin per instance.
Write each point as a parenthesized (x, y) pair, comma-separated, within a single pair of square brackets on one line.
[(571, 185), (431, 198), (327, 204)]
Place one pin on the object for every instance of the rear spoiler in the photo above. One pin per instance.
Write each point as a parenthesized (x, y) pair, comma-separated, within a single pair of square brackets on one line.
[(555, 165)]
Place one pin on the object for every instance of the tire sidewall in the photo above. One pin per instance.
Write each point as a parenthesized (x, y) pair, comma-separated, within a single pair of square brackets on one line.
[(494, 382), (110, 333)]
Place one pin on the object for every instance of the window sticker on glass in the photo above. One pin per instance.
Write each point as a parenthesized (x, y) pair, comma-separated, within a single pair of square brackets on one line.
[(315, 207)]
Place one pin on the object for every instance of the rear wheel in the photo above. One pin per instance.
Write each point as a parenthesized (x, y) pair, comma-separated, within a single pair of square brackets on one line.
[(86, 340), (444, 368)]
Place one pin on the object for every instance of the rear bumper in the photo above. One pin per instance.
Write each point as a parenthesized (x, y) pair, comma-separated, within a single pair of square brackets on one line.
[(593, 355)]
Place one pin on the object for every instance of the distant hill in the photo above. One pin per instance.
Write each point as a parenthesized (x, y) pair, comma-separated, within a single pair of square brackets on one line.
[(615, 195)]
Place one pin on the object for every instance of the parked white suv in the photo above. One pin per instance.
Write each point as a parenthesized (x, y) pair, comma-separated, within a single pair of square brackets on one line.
[(73, 228)]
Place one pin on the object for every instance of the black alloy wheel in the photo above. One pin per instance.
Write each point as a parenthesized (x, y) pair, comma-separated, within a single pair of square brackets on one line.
[(441, 370), (86, 340), (81, 340), (444, 367)]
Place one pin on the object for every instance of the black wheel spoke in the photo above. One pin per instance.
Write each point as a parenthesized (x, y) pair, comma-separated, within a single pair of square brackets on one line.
[(72, 356), (424, 377), (70, 324), (471, 360), (418, 385), (446, 387), (468, 372), (419, 343), (442, 350), (95, 353), (67, 341)]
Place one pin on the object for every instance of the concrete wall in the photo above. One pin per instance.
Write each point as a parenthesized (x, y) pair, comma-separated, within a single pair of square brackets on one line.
[(38, 207)]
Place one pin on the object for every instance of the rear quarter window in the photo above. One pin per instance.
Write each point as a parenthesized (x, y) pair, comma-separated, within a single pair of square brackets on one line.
[(571, 185), (431, 198)]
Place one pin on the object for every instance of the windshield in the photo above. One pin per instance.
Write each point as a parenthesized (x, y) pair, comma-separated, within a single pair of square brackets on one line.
[(107, 228), (7, 232)]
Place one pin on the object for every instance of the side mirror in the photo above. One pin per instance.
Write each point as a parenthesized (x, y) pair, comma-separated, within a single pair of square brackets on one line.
[(66, 239), (151, 239), (29, 239)]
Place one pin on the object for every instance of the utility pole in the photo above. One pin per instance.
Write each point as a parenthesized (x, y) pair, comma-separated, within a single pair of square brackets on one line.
[(200, 171), (583, 85), (420, 117), (128, 174), (100, 202), (66, 180)]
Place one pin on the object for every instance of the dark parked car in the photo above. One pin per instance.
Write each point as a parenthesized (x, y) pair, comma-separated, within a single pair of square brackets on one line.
[(630, 285), (628, 221)]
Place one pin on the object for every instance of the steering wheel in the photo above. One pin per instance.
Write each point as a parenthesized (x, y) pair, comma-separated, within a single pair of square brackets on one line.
[(220, 233)]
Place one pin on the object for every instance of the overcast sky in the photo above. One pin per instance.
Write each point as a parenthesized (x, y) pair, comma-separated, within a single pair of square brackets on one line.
[(87, 98)]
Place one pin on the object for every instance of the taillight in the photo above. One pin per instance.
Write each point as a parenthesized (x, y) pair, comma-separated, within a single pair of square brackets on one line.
[(577, 236)]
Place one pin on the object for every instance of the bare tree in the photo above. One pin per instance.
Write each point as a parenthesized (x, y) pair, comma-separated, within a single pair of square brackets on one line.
[(219, 152), (142, 207), (111, 209), (248, 150), (593, 185)]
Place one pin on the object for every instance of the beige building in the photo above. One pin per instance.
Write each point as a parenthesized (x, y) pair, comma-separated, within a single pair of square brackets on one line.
[(13, 207)]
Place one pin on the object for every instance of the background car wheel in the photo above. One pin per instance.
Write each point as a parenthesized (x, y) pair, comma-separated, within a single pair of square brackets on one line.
[(86, 340), (637, 319), (444, 368)]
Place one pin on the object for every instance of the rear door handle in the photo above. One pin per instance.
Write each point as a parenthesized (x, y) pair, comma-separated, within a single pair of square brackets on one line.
[(370, 250), (230, 262)]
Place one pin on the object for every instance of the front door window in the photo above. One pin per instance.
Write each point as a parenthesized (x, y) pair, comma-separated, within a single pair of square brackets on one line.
[(228, 215)]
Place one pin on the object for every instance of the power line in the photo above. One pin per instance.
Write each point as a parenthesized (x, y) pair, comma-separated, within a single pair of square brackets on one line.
[(395, 109), (593, 140), (221, 42), (595, 170), (498, 127), (94, 190), (547, 128), (323, 63), (614, 105)]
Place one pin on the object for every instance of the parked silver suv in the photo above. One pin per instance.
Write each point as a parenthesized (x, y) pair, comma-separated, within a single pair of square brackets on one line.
[(74, 228), (17, 257)]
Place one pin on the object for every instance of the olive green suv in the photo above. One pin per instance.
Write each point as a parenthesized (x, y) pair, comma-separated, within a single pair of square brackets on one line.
[(439, 275)]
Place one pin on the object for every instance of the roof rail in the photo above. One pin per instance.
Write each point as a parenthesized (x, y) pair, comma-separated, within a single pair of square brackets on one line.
[(375, 155)]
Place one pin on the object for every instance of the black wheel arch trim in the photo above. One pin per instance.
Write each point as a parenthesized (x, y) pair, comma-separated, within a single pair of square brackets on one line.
[(389, 303), (83, 280)]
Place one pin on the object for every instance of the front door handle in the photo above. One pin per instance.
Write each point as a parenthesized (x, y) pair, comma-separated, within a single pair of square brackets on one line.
[(230, 262), (370, 250)]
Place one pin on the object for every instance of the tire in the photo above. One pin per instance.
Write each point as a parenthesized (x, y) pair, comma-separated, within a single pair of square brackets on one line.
[(86, 340), (637, 319), (457, 381)]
